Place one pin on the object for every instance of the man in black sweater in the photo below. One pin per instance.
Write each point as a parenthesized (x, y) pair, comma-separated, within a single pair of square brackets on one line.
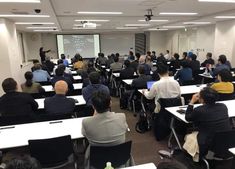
[(209, 118), (14, 103)]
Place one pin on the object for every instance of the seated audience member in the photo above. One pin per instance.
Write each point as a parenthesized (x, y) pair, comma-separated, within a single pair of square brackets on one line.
[(116, 66), (79, 64), (209, 118), (59, 75), (102, 60), (184, 74), (131, 56), (40, 75), (105, 128), (167, 55), (153, 56), (220, 66), (128, 71), (25, 162), (59, 103), (184, 56), (194, 63), (14, 103), (208, 61), (166, 87), (94, 85), (65, 61), (175, 63), (29, 86), (59, 62), (149, 62), (36, 62), (66, 75), (161, 59), (147, 68), (110, 60), (141, 81), (225, 85), (90, 67), (49, 64), (135, 63)]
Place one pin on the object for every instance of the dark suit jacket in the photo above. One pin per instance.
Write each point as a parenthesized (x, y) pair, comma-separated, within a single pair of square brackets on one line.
[(195, 65), (59, 104), (209, 119), (208, 61), (141, 82), (127, 73), (17, 104)]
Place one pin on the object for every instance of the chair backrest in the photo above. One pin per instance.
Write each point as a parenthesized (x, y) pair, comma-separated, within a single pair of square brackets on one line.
[(49, 117), (221, 142), (225, 96), (51, 152), (170, 102), (13, 120), (117, 155)]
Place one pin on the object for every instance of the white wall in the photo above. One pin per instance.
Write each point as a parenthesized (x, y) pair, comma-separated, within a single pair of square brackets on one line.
[(10, 60), (121, 43), (158, 41), (225, 40)]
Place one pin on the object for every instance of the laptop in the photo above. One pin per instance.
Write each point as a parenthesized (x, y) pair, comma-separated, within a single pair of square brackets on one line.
[(149, 84)]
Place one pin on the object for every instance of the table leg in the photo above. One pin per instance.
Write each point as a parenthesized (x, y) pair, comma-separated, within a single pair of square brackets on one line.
[(173, 132)]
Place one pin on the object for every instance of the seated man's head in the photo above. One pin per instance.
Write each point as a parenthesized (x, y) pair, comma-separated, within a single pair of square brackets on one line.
[(94, 77), (37, 66), (162, 70), (61, 87), (101, 101), (208, 96), (59, 71), (62, 56), (222, 59), (141, 70), (127, 63), (59, 61), (225, 76), (9, 85), (23, 163)]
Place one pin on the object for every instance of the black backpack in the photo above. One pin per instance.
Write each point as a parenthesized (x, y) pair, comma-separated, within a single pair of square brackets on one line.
[(143, 124)]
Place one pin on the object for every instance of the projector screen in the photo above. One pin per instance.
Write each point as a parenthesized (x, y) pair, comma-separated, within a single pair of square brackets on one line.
[(87, 45)]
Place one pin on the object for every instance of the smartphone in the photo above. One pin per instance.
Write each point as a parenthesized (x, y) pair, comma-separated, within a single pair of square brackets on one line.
[(181, 111)]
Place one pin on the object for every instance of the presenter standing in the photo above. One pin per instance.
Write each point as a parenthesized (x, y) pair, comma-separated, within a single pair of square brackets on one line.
[(43, 54)]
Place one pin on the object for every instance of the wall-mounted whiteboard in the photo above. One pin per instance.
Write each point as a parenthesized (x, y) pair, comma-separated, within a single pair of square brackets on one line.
[(117, 43)]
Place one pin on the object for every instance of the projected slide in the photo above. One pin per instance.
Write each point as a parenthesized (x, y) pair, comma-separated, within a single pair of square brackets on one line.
[(87, 45)]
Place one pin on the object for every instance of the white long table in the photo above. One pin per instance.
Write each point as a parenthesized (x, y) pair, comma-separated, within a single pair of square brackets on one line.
[(173, 110), (79, 98), (49, 88), (232, 150), (18, 135), (78, 77), (143, 166)]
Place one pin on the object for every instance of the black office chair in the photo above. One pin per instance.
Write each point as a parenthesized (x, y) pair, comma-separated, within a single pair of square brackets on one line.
[(50, 117), (118, 155), (220, 144), (13, 120), (52, 152), (45, 83), (225, 96)]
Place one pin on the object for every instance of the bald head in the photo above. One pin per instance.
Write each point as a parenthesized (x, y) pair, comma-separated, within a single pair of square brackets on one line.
[(142, 59), (61, 87)]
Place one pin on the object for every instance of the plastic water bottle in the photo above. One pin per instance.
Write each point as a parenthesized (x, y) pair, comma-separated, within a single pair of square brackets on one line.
[(108, 166)]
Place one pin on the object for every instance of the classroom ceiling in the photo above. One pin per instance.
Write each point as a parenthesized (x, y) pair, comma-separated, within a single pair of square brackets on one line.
[(63, 13)]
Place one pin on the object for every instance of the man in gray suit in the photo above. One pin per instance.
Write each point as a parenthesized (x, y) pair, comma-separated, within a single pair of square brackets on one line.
[(105, 128)]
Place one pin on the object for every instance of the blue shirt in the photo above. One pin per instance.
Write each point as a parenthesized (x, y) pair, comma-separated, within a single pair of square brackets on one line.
[(88, 91), (218, 68), (66, 62), (40, 76), (184, 74)]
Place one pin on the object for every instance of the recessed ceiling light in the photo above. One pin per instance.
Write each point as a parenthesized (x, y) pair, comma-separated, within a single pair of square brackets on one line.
[(45, 30), (157, 29), (173, 26), (34, 23), (177, 13), (21, 1), (136, 25), (92, 20), (126, 27), (84, 28), (41, 27), (224, 1), (196, 23), (153, 20), (225, 17), (82, 25), (24, 16), (100, 13)]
